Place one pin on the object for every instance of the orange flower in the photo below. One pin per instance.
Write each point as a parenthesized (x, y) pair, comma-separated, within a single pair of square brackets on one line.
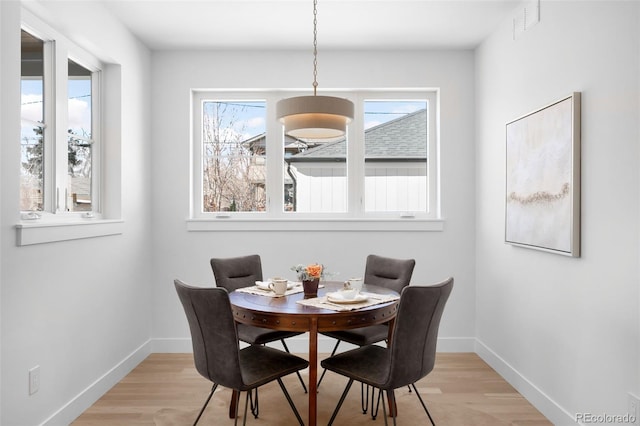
[(314, 271), (308, 272)]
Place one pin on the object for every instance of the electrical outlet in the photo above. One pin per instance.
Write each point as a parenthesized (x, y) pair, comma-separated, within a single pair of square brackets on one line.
[(34, 380), (634, 409)]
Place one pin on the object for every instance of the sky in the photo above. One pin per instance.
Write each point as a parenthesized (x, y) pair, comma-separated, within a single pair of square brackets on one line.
[(79, 103), (249, 116)]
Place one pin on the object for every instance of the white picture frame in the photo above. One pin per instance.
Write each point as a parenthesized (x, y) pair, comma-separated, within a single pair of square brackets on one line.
[(542, 203)]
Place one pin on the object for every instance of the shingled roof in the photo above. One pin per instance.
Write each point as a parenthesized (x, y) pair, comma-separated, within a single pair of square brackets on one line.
[(401, 139)]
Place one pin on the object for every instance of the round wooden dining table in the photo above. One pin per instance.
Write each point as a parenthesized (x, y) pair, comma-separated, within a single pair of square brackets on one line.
[(285, 313)]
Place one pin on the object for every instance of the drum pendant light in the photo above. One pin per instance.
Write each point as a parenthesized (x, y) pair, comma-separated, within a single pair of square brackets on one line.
[(315, 117)]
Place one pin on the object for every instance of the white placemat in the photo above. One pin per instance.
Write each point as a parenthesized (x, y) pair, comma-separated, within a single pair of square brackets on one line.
[(372, 299), (297, 288), (269, 293)]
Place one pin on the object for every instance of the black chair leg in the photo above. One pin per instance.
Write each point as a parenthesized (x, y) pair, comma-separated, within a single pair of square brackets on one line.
[(255, 407), (213, 389), (391, 396), (235, 422), (423, 404), (246, 403), (384, 408), (344, 394), (374, 414), (333, 352), (293, 407), (364, 401), (392, 404), (373, 395), (297, 372)]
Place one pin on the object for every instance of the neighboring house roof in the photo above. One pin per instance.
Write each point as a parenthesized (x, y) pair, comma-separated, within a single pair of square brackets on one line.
[(330, 151), (258, 143), (400, 139)]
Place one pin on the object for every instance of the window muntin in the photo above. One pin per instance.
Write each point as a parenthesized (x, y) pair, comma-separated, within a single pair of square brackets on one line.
[(233, 156), (346, 162)]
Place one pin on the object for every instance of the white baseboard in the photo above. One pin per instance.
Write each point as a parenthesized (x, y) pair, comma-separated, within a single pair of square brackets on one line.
[(456, 344), (552, 411), (85, 399), (171, 346)]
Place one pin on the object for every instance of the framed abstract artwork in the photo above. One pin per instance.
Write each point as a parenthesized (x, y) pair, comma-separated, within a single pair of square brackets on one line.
[(543, 178)]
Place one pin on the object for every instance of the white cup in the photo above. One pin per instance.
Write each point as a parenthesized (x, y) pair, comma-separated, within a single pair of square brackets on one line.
[(278, 285), (356, 284), (349, 294)]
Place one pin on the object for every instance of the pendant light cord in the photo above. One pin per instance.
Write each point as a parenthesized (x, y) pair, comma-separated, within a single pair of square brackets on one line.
[(315, 46)]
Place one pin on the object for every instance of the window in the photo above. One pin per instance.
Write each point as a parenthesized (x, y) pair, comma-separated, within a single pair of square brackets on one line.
[(395, 163), (79, 140), (33, 124), (316, 175), (63, 104), (59, 147), (233, 156), (395, 146), (384, 167)]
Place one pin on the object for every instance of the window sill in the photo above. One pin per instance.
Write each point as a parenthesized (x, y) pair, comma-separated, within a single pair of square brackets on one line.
[(40, 233), (288, 224)]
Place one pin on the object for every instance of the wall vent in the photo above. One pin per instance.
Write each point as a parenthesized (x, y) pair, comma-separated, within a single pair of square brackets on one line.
[(526, 18)]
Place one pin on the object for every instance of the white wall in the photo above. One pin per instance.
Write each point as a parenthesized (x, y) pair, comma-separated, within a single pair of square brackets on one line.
[(78, 309), (185, 255), (563, 330), (2, 137)]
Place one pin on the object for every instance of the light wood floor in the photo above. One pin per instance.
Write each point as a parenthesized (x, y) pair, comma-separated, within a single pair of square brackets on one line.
[(166, 390)]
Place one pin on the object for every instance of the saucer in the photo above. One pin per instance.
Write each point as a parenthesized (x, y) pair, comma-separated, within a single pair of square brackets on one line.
[(339, 298)]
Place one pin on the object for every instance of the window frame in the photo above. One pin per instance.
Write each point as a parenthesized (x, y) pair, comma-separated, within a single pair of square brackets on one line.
[(57, 53), (95, 66), (431, 96), (53, 224), (197, 174), (355, 218)]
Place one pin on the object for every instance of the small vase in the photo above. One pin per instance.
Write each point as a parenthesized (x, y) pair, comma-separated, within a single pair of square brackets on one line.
[(310, 288)]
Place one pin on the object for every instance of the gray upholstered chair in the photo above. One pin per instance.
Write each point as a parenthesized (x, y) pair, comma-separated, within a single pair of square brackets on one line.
[(217, 354), (233, 273), (388, 272), (394, 274), (411, 353)]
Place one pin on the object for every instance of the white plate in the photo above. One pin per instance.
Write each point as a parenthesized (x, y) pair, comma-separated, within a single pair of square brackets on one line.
[(339, 298), (264, 285)]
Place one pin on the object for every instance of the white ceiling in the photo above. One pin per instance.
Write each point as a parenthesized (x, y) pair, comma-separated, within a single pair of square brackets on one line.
[(288, 24)]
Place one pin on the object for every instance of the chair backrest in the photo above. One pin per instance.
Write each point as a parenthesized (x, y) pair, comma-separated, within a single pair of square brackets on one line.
[(233, 273), (394, 274), (415, 333), (214, 336)]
